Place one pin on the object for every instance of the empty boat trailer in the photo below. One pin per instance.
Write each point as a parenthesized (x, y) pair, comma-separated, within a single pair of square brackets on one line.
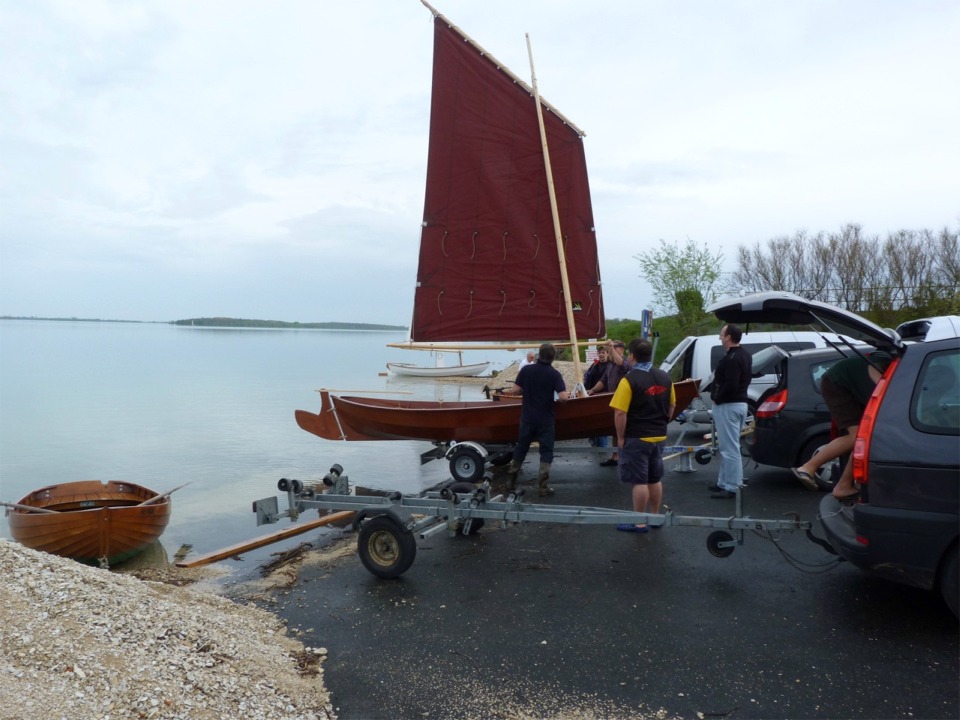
[(388, 525)]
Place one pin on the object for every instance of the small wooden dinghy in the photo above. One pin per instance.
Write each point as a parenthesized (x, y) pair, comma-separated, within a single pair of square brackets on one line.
[(99, 523)]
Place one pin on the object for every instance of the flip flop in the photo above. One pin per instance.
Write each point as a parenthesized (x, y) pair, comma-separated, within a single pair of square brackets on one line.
[(630, 527), (805, 478)]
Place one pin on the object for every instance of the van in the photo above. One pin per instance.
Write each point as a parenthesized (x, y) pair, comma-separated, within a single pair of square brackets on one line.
[(697, 356)]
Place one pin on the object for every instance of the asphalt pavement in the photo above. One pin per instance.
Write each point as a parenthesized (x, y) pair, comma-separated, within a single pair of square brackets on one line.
[(547, 620)]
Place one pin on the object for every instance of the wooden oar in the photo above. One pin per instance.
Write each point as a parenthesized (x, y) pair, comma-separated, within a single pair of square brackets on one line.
[(266, 539), (158, 498), (29, 508)]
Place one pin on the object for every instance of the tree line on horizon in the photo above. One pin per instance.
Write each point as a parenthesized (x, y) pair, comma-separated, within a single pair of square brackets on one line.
[(224, 322)]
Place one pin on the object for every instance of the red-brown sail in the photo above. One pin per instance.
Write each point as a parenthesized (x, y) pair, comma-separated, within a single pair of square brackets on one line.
[(489, 269)]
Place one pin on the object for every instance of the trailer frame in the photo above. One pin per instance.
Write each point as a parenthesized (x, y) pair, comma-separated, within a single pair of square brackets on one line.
[(389, 525)]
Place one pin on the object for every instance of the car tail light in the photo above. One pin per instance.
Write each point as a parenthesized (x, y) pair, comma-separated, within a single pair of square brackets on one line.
[(861, 446), (772, 405)]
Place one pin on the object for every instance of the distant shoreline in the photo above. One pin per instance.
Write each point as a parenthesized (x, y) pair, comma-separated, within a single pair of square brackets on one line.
[(227, 323)]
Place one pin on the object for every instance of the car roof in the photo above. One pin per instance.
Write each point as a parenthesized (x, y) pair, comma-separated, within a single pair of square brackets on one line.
[(789, 309), (931, 328)]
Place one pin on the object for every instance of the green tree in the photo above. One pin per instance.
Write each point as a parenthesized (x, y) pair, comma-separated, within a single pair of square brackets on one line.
[(684, 279)]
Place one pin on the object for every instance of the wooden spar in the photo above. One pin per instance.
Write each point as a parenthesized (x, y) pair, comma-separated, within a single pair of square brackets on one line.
[(232, 550), (556, 222), (30, 508), (447, 347), (162, 496)]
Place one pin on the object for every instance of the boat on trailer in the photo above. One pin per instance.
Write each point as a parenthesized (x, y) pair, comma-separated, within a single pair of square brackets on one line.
[(94, 522), (484, 421)]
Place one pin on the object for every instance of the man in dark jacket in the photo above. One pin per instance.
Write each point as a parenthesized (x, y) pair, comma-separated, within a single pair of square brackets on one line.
[(643, 405), (594, 381), (537, 383), (593, 378), (729, 395)]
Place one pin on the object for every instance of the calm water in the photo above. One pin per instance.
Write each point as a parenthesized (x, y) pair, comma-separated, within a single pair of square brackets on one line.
[(162, 405)]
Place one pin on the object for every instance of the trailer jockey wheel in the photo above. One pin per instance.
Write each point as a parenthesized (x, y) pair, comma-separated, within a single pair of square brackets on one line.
[(466, 465), (703, 455), (713, 544), (386, 548)]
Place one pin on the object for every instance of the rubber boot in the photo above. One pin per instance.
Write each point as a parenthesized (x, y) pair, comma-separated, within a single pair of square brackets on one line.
[(543, 477), (512, 472)]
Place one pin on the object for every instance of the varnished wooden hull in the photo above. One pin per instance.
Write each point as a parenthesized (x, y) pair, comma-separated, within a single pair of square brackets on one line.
[(94, 520), (354, 418)]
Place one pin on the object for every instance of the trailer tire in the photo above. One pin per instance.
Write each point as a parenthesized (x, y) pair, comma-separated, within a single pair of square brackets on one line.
[(386, 548), (703, 456), (466, 465), (713, 543)]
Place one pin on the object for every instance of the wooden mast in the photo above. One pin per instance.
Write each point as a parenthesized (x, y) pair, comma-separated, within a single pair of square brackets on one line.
[(571, 325)]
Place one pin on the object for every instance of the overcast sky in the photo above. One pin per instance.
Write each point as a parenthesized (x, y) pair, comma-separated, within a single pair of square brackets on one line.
[(171, 159)]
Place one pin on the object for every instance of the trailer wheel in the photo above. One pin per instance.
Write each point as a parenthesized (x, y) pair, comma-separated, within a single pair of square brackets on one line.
[(713, 544), (475, 525), (386, 548), (466, 465), (703, 456)]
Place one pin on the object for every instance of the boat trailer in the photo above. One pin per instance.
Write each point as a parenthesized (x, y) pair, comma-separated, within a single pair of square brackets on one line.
[(388, 526)]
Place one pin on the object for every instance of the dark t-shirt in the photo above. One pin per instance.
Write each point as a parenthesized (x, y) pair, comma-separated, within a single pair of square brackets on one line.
[(852, 373), (539, 382)]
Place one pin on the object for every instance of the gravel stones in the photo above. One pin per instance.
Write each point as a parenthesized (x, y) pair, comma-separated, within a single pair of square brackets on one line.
[(78, 642)]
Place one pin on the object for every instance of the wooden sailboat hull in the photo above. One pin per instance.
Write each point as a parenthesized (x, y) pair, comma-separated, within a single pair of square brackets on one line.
[(93, 520), (355, 418), (434, 372)]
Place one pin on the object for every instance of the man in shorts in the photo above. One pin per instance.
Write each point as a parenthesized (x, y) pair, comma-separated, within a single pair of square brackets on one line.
[(846, 387), (643, 405)]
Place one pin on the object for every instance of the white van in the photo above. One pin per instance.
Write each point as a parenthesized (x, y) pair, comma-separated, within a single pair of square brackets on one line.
[(697, 356)]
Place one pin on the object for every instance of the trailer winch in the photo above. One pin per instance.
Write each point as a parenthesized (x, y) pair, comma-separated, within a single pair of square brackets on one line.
[(388, 526)]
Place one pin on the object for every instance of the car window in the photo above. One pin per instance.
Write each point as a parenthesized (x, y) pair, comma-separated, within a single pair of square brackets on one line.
[(935, 407), (817, 371)]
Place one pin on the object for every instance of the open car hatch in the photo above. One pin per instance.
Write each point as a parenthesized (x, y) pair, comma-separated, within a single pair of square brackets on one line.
[(789, 309)]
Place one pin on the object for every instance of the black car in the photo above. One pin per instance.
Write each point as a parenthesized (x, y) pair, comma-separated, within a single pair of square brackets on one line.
[(905, 525), (792, 421)]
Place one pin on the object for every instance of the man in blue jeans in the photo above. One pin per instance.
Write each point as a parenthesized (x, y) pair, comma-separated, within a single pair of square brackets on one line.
[(729, 395), (538, 383)]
